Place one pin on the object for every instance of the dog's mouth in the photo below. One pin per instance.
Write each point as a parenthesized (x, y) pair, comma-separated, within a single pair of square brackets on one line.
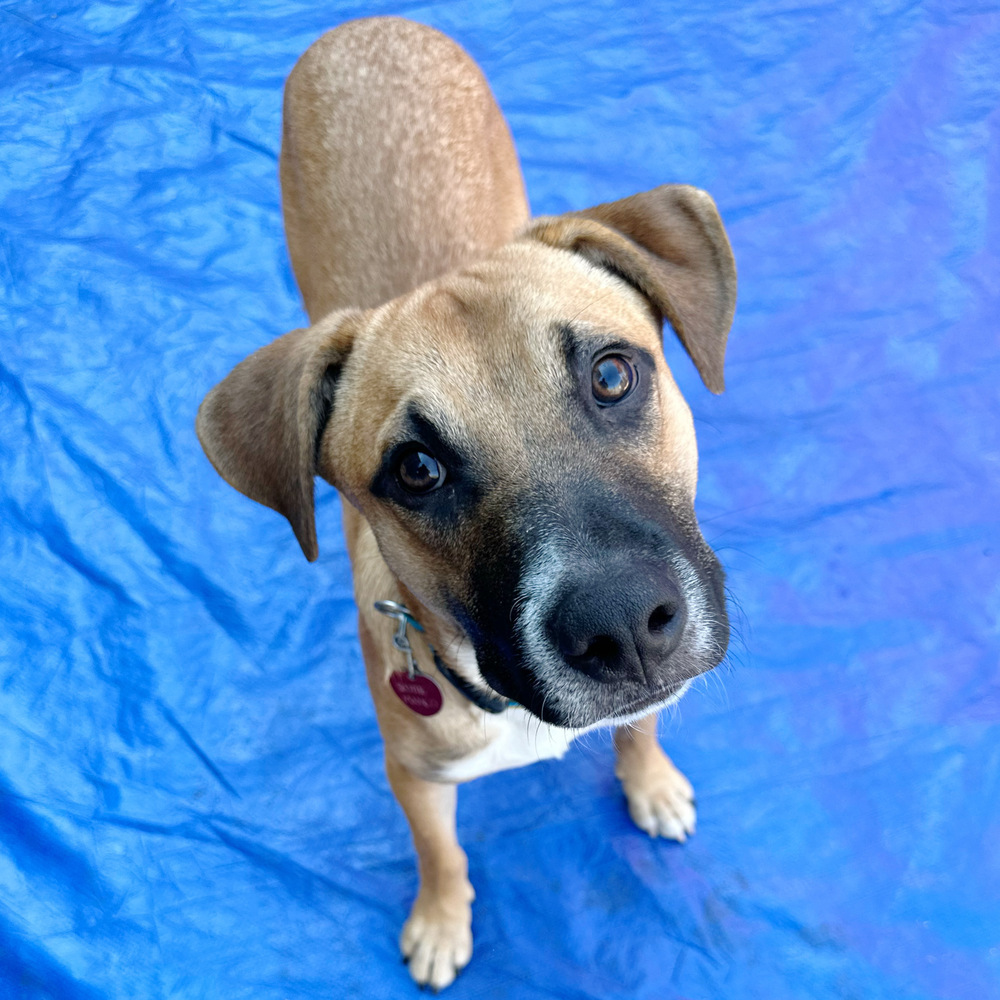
[(653, 702), (621, 715), (572, 701)]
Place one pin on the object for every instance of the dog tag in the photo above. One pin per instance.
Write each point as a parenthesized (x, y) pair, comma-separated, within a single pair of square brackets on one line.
[(418, 693)]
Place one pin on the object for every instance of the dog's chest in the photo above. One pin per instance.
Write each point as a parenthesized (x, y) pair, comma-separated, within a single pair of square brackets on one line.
[(512, 739)]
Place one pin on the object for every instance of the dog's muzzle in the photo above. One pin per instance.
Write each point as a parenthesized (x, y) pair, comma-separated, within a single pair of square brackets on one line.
[(604, 608)]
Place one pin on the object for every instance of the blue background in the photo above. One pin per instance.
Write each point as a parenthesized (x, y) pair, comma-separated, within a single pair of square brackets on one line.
[(192, 800)]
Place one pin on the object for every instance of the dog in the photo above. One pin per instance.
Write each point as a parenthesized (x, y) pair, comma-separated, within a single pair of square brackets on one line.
[(517, 467)]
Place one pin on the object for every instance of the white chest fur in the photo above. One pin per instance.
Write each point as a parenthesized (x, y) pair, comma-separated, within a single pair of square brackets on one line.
[(509, 739), (512, 739)]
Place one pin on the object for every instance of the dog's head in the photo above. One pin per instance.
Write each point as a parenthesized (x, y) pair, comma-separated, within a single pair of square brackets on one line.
[(513, 436)]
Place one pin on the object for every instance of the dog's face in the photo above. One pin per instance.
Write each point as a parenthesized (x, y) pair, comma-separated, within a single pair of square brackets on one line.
[(513, 436)]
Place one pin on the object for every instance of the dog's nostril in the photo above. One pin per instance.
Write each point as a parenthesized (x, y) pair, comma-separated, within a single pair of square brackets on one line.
[(661, 618), (603, 649)]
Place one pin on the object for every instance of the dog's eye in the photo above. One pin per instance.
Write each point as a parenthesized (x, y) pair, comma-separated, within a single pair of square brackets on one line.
[(613, 379), (419, 472)]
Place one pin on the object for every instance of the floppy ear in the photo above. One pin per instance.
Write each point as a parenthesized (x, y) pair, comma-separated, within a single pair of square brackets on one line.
[(669, 244), (261, 425)]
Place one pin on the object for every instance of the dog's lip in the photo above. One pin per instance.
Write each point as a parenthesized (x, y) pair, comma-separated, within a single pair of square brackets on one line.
[(629, 712), (639, 705)]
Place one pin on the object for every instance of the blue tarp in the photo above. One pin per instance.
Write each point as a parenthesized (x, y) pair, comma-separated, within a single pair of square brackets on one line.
[(192, 796)]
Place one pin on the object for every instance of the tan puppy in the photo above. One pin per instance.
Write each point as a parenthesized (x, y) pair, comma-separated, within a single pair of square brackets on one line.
[(490, 398)]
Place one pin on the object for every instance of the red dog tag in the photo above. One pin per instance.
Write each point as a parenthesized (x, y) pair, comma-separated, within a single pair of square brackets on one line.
[(418, 693)]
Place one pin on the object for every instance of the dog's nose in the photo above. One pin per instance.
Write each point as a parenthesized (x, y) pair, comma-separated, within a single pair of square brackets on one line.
[(619, 626)]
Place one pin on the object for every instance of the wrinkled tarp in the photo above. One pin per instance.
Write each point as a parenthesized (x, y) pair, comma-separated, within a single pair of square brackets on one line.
[(193, 801)]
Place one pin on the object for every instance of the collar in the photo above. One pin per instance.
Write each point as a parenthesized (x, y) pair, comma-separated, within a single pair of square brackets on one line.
[(491, 703)]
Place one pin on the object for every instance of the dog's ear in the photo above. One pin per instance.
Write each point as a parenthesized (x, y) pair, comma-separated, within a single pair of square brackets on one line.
[(669, 244), (261, 425)]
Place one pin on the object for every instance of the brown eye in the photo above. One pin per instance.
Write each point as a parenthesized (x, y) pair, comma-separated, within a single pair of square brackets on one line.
[(419, 472), (613, 378)]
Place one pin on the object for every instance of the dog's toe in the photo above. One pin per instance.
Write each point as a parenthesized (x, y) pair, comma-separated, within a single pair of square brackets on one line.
[(661, 801), (437, 944)]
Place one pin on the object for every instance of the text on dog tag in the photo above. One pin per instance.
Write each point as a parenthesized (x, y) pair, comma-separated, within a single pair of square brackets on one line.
[(418, 693)]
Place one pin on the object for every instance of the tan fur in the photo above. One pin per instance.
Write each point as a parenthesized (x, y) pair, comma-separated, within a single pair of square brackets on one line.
[(403, 202), (426, 151)]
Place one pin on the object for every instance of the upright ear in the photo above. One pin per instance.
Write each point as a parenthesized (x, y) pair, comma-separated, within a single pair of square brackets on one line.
[(261, 425), (669, 244)]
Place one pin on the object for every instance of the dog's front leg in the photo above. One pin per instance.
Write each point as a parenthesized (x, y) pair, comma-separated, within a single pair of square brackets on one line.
[(660, 798), (437, 937)]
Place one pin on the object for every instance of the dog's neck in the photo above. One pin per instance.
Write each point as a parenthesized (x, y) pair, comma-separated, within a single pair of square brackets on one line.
[(453, 655)]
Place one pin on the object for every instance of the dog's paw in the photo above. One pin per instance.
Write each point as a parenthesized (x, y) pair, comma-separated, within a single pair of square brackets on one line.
[(437, 942), (660, 799)]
